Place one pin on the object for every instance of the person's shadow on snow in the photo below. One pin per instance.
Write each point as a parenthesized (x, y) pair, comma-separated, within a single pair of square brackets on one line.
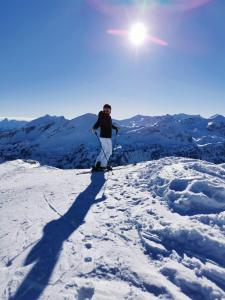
[(46, 252)]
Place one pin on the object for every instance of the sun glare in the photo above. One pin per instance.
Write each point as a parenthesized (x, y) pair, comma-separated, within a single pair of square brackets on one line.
[(138, 34)]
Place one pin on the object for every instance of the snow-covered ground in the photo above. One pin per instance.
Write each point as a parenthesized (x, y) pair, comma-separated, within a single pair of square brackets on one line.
[(154, 230)]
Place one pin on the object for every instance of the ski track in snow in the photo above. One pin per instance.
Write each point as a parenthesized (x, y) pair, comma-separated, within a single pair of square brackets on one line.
[(150, 231)]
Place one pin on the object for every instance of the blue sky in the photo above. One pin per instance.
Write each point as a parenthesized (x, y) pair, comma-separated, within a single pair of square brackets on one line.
[(56, 58)]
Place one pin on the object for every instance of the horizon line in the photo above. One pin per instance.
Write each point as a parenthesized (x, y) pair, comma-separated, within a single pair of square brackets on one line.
[(28, 119)]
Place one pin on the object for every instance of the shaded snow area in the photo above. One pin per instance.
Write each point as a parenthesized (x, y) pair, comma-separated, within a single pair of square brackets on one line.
[(154, 230)]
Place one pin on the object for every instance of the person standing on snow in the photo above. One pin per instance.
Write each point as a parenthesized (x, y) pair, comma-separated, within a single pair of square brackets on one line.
[(105, 123)]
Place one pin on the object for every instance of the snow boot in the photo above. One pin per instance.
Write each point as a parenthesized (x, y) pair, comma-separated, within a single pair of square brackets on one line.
[(109, 168), (97, 167)]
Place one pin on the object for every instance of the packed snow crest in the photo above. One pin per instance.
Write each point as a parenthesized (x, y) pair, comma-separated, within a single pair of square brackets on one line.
[(154, 230)]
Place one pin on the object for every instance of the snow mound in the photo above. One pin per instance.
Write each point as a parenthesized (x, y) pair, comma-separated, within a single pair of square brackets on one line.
[(154, 230), (190, 187)]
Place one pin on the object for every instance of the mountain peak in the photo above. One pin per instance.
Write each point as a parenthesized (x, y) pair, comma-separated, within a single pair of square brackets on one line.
[(11, 124), (85, 116), (217, 118), (183, 116), (46, 119)]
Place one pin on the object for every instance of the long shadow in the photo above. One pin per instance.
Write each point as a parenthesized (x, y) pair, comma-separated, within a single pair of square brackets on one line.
[(46, 252)]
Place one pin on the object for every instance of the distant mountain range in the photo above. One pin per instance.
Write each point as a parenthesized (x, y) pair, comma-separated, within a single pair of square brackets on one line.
[(64, 143), (6, 124)]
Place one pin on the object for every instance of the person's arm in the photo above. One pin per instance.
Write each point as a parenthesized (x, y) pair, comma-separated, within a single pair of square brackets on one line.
[(115, 128), (97, 124)]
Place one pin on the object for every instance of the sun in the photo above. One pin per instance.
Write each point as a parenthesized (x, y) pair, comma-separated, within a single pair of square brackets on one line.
[(138, 34)]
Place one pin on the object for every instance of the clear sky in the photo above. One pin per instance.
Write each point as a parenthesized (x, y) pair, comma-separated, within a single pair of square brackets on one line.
[(57, 58)]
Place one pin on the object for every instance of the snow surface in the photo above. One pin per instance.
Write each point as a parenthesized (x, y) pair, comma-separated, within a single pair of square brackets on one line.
[(154, 230)]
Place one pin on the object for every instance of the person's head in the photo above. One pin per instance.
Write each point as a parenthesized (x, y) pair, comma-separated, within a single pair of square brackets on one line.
[(107, 109)]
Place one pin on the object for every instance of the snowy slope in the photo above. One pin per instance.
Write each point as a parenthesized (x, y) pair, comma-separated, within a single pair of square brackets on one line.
[(150, 231)]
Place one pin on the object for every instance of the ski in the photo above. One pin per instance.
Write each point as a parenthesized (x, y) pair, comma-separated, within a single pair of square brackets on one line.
[(90, 172), (85, 172), (106, 170), (96, 170)]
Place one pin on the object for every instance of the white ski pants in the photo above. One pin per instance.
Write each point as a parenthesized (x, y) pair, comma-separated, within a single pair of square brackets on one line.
[(103, 157)]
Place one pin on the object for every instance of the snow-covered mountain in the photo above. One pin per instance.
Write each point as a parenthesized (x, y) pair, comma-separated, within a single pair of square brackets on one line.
[(150, 231), (6, 124), (64, 143)]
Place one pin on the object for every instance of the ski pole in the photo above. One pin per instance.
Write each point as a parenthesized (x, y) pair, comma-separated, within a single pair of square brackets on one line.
[(115, 142), (101, 146), (114, 146)]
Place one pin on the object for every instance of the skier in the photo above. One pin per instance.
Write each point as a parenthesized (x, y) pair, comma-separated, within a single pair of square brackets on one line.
[(105, 123)]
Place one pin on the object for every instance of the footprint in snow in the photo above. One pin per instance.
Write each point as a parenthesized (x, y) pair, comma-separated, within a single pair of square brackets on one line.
[(85, 293), (122, 209), (88, 245), (88, 259)]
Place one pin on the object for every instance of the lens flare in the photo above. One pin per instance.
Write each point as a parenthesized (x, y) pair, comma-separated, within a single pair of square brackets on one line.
[(138, 34), (117, 7)]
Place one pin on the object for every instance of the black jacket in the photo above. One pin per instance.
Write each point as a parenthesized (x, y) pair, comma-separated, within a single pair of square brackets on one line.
[(105, 123)]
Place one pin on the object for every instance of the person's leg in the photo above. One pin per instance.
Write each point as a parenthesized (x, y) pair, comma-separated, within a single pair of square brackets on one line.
[(108, 149), (98, 161), (102, 157)]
